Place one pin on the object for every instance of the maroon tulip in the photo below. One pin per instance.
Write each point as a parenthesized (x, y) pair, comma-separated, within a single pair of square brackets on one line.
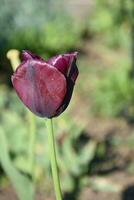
[(45, 87)]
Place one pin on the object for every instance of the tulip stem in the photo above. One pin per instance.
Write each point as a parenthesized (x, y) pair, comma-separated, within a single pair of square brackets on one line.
[(53, 159)]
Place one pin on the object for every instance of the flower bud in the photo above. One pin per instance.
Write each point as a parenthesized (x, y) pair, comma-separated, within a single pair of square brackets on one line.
[(45, 87)]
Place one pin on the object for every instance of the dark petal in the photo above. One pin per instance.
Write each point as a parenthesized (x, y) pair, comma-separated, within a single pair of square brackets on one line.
[(40, 86), (65, 103), (60, 63), (27, 55), (74, 72), (75, 75), (63, 62), (70, 86), (71, 78)]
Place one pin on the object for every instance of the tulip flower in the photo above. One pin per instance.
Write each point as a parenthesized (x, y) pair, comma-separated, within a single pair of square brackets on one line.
[(46, 87)]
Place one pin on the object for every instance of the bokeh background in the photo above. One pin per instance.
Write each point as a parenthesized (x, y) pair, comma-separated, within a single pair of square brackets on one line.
[(95, 135)]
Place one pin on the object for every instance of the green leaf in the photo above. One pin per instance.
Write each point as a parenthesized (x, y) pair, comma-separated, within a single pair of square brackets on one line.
[(22, 184)]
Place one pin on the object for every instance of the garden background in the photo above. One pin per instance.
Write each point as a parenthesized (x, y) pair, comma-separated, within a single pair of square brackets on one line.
[(95, 135)]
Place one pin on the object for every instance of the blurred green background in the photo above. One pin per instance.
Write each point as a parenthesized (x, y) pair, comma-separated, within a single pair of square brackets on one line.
[(95, 135)]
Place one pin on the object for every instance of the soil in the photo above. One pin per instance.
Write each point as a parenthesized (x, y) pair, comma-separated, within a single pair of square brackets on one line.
[(126, 189)]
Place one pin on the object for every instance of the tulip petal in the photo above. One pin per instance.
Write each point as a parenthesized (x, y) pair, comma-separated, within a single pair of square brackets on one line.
[(71, 78), (63, 62), (73, 73), (26, 55), (40, 86)]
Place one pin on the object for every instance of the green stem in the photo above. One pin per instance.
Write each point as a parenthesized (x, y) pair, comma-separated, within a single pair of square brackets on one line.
[(53, 159)]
